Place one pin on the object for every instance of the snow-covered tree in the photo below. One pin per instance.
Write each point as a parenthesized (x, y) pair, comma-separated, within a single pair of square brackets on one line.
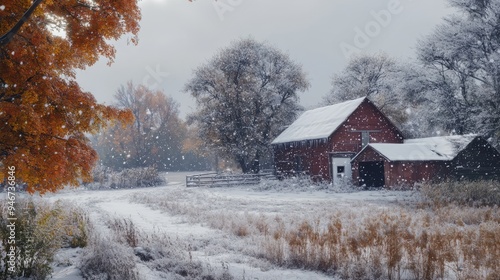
[(376, 76), (463, 58), (245, 94), (414, 88), (364, 75)]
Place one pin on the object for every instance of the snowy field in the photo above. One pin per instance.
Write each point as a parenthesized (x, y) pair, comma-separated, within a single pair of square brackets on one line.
[(214, 224), (281, 230)]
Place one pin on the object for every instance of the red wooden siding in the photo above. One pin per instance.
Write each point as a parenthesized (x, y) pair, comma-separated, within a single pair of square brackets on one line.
[(407, 173), (311, 161), (365, 117)]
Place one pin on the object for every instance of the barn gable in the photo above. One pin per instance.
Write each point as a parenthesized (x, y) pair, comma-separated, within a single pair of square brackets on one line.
[(318, 123)]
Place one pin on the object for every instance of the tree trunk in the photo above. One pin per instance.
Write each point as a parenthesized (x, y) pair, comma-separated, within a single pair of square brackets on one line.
[(245, 167), (256, 163)]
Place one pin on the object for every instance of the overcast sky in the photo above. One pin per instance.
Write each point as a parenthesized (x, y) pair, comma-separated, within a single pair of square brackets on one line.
[(177, 36)]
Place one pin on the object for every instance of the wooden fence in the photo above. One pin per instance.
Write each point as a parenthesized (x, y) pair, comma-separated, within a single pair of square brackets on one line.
[(216, 180)]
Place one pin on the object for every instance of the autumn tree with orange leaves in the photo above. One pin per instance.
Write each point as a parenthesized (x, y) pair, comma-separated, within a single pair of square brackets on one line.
[(155, 138), (45, 116)]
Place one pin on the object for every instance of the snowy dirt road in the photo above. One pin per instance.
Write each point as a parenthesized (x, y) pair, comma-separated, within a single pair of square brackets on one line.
[(203, 220)]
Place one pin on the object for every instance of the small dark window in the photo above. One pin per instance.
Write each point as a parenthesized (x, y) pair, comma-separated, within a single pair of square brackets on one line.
[(340, 169)]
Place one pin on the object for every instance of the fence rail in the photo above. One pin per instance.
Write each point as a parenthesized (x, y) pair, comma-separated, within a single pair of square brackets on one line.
[(214, 179)]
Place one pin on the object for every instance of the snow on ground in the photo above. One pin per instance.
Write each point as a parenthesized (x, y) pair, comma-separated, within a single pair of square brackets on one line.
[(214, 247)]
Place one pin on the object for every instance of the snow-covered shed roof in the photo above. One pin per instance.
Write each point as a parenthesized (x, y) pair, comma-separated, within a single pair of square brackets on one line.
[(318, 123), (424, 149)]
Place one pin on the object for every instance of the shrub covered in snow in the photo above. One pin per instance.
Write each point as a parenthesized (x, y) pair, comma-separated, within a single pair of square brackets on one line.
[(40, 230), (106, 178), (476, 193), (106, 259)]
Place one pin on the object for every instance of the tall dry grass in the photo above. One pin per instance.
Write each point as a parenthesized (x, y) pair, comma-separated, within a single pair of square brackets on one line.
[(361, 241), (467, 193), (393, 245)]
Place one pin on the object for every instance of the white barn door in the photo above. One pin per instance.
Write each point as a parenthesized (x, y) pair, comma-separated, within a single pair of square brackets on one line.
[(341, 170)]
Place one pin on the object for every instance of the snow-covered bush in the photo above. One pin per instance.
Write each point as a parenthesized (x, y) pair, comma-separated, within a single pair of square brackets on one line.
[(106, 259), (106, 178), (41, 229), (475, 193)]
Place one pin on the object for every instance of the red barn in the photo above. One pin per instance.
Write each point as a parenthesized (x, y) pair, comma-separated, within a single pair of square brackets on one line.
[(355, 140), (425, 159), (322, 142)]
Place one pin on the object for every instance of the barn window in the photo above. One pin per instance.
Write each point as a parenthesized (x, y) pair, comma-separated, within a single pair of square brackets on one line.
[(365, 138), (340, 171)]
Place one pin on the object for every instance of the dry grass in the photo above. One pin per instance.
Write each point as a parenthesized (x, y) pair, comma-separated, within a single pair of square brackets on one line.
[(367, 242), (475, 193), (395, 245), (125, 231), (116, 256), (41, 229)]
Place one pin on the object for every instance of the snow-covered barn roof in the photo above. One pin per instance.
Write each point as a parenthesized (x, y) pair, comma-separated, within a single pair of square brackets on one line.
[(318, 123), (424, 149)]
